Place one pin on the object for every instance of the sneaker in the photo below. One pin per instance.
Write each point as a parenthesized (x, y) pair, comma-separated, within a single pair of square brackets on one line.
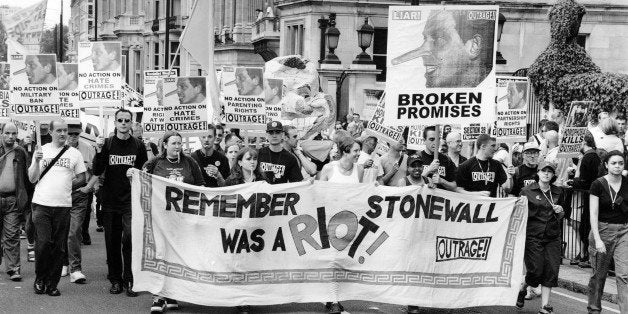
[(159, 305), (64, 271), (31, 256), (171, 304), (100, 229), (77, 277), (584, 264), (547, 309), (521, 299), (532, 293), (14, 275)]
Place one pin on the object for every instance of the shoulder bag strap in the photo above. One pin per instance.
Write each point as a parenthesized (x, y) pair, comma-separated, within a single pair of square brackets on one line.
[(54, 160)]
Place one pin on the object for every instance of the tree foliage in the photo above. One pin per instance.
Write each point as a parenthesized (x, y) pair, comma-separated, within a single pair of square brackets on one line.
[(50, 40), (564, 72)]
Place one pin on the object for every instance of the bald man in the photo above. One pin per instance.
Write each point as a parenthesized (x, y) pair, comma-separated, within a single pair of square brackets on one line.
[(14, 185), (454, 147)]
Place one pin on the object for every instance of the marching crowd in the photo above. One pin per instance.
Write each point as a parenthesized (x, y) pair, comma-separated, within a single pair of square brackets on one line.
[(47, 190)]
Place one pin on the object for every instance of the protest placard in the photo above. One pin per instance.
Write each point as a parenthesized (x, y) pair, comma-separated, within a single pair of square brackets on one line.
[(34, 89), (245, 104), (435, 79), (472, 131), (575, 129), (308, 242), (512, 108), (381, 130), (183, 109), (5, 108), (415, 137), (273, 89), (68, 92), (100, 74), (154, 113)]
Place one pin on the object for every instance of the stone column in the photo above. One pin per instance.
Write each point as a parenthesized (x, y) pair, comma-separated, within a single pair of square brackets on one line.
[(238, 26)]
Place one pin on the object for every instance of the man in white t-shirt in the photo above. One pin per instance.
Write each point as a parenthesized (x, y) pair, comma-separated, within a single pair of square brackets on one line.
[(370, 160), (52, 201)]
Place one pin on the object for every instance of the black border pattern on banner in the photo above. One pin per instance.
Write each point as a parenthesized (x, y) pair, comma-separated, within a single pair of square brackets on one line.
[(500, 278)]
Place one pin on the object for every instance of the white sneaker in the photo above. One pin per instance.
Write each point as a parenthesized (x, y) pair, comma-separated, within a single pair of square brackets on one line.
[(533, 292), (64, 271), (77, 277)]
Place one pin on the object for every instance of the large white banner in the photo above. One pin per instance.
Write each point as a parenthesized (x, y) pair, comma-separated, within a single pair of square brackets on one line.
[(100, 73), (262, 244), (441, 64), (34, 89)]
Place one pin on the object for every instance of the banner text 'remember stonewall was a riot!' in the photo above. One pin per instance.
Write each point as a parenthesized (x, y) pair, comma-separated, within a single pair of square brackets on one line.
[(261, 244)]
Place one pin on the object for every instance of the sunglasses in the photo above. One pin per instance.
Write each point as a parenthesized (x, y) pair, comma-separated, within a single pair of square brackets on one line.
[(74, 133), (124, 120)]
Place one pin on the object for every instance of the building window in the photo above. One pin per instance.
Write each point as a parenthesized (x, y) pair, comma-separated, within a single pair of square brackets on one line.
[(380, 41), (137, 60), (90, 9), (294, 40), (156, 9), (582, 40), (156, 55), (174, 63)]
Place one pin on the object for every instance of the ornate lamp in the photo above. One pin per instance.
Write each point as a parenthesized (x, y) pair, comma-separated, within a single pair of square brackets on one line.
[(332, 34), (365, 36)]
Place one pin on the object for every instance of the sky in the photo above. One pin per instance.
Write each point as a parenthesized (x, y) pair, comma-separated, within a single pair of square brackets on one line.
[(54, 9)]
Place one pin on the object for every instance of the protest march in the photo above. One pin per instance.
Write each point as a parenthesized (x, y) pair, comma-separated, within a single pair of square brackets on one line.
[(209, 157)]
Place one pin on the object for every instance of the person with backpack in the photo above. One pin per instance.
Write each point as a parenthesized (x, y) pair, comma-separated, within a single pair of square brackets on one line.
[(114, 156), (56, 169), (174, 165)]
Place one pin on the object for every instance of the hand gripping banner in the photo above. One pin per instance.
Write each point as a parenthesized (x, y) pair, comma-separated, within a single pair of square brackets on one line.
[(261, 244)]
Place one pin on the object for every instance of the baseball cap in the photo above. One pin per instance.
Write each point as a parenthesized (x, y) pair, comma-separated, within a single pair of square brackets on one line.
[(547, 164), (414, 158), (274, 126), (531, 146), (75, 128)]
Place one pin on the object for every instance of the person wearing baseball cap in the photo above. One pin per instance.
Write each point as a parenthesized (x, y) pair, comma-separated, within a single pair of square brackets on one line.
[(279, 165), (543, 254), (525, 173), (415, 174)]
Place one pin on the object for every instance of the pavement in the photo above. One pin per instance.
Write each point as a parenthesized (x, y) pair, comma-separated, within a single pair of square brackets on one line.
[(94, 297), (576, 279)]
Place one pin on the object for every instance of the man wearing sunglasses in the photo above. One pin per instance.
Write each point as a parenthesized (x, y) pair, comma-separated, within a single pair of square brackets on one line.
[(279, 165), (114, 156)]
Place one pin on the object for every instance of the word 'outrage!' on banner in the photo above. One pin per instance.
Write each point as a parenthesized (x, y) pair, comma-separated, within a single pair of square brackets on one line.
[(262, 244), (180, 105), (100, 74), (436, 79), (34, 93)]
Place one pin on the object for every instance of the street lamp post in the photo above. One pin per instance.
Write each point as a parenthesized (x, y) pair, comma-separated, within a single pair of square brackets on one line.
[(332, 34), (365, 36)]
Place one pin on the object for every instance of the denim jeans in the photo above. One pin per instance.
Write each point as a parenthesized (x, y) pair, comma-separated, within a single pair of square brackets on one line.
[(51, 234), (615, 238), (10, 236), (118, 242), (75, 232)]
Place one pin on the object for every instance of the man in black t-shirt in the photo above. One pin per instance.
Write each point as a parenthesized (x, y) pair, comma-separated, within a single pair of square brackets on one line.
[(524, 174), (443, 167), (279, 165), (214, 164), (481, 175), (114, 156)]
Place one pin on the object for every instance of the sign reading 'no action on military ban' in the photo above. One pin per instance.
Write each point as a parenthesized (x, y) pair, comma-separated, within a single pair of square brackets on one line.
[(441, 64), (34, 93)]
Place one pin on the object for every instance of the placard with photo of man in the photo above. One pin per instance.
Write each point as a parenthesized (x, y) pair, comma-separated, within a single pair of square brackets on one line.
[(100, 76), (441, 64), (67, 74), (512, 108), (34, 89)]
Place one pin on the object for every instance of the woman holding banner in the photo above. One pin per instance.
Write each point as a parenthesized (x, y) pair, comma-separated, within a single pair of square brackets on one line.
[(608, 239), (542, 255), (174, 165)]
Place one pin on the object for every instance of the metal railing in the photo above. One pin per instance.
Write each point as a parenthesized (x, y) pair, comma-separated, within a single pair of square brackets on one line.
[(571, 226)]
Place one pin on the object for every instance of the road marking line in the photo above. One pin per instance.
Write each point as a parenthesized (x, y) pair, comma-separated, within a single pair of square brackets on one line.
[(584, 301)]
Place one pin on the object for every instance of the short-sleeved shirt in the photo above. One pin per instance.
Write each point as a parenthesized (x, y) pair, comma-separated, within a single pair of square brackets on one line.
[(55, 188), (217, 159), (446, 168), (281, 167), (371, 173), (608, 213), (183, 170), (481, 175), (523, 177)]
